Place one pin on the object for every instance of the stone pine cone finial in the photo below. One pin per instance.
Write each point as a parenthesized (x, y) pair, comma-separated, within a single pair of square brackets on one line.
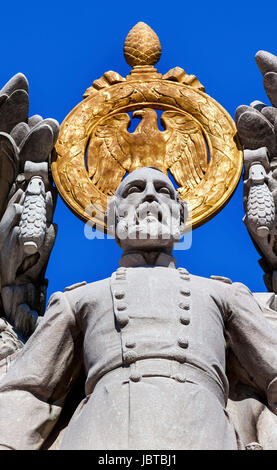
[(142, 46)]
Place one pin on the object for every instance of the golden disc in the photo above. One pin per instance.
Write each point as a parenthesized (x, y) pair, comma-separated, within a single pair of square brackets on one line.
[(199, 144)]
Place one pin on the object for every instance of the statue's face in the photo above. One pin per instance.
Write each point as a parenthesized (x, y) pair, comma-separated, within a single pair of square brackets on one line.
[(148, 212)]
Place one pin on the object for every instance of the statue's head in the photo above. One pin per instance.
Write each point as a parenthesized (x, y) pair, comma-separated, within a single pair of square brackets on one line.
[(146, 211)]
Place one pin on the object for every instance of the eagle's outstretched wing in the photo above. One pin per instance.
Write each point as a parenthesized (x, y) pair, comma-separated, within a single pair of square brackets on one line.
[(186, 151), (108, 154)]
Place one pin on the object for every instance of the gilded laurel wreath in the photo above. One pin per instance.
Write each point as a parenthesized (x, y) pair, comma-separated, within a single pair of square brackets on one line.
[(197, 143)]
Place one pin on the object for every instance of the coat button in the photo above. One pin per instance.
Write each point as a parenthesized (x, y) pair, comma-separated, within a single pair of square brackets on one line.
[(122, 319), (180, 378), (120, 273), (130, 356), (185, 277), (182, 271), (184, 320), (184, 306), (183, 343), (185, 292), (130, 344), (121, 270), (180, 357), (120, 306), (119, 294), (135, 377)]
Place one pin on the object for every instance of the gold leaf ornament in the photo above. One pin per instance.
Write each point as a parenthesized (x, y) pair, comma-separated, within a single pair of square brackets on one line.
[(198, 143)]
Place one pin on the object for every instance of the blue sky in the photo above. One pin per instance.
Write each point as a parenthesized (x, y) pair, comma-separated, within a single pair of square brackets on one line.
[(62, 47)]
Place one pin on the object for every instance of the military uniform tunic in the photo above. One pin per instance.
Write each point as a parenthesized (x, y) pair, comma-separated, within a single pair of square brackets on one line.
[(153, 345)]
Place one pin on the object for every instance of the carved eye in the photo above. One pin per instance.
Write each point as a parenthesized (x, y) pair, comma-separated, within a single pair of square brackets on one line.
[(134, 189), (164, 190)]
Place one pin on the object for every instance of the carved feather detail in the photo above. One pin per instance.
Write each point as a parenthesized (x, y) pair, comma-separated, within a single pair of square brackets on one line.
[(260, 209), (186, 152), (113, 150)]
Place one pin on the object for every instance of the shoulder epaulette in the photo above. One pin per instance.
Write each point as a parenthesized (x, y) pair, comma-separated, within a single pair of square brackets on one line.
[(222, 279), (74, 286)]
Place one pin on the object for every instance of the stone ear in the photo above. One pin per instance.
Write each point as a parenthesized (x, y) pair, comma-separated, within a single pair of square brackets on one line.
[(183, 215), (111, 217)]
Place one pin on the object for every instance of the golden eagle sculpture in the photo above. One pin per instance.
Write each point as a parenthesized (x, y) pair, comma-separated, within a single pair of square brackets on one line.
[(114, 151), (196, 141)]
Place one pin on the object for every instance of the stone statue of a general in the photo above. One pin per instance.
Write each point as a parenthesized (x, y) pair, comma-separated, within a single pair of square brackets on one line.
[(160, 347), (152, 338)]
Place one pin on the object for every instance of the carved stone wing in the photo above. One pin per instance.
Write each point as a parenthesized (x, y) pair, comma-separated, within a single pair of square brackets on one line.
[(257, 129), (8, 168), (108, 155), (186, 152)]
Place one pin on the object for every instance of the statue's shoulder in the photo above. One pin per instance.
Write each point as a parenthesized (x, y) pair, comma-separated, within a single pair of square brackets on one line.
[(93, 294), (236, 286), (80, 288), (212, 280), (218, 286), (223, 289)]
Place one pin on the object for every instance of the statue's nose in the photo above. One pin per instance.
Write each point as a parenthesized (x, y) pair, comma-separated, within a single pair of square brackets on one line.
[(150, 193)]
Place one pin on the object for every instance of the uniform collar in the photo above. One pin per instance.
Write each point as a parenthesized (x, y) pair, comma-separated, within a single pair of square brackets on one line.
[(136, 259)]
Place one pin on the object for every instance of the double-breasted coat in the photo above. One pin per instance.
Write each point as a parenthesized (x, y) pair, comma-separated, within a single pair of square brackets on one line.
[(153, 343)]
